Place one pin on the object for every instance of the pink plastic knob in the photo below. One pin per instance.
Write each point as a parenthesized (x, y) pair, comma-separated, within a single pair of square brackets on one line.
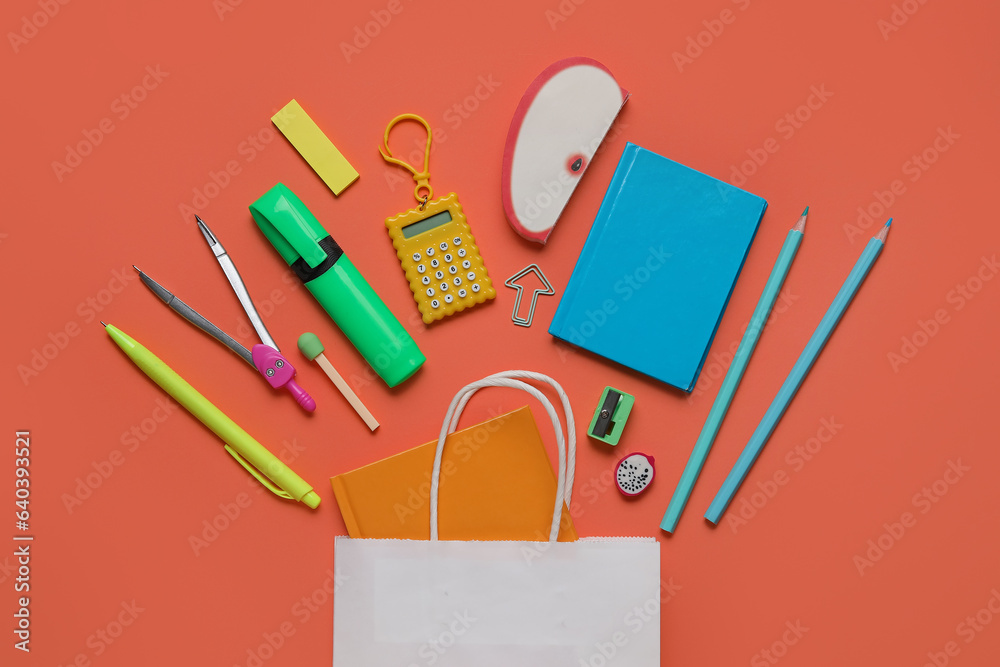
[(303, 399), (279, 373)]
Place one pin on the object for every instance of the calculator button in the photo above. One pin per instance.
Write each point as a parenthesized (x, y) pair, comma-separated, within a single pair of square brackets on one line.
[(421, 268), (461, 252), (430, 291), (444, 287), (435, 263), (439, 274), (465, 264), (426, 280), (457, 281), (444, 245), (435, 304), (448, 298), (457, 240), (452, 270), (448, 257), (462, 292), (475, 287), (416, 257), (471, 275), (430, 251)]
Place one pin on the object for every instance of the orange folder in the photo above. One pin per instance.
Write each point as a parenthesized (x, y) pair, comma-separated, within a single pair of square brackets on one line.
[(496, 484)]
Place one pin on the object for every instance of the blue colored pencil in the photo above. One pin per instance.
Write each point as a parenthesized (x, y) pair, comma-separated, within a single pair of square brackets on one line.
[(733, 376), (797, 375)]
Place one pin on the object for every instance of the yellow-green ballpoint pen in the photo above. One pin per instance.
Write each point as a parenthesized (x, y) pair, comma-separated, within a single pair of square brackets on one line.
[(259, 462)]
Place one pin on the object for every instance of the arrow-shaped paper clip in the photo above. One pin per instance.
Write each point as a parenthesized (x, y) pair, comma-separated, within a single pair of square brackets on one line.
[(512, 282)]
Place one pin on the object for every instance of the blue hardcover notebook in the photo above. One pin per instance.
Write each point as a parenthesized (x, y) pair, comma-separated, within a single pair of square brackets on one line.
[(655, 274)]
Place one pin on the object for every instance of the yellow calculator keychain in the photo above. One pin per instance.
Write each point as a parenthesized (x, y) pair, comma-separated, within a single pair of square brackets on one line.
[(435, 245)]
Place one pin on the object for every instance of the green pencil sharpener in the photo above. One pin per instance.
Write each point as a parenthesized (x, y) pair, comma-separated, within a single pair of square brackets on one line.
[(610, 416)]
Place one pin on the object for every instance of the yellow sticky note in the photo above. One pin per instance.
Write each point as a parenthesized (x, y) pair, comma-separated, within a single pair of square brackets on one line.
[(315, 147)]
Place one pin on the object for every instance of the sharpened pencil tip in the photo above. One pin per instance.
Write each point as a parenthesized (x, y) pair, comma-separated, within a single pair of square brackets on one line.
[(800, 224), (884, 232)]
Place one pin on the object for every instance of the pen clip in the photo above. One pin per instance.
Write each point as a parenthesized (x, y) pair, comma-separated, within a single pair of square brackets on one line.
[(290, 226), (281, 493), (288, 221)]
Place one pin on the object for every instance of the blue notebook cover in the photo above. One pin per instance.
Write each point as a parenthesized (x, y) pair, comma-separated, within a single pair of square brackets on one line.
[(655, 274)]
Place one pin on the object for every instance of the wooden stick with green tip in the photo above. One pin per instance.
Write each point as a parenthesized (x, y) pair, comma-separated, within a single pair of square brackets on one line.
[(312, 348)]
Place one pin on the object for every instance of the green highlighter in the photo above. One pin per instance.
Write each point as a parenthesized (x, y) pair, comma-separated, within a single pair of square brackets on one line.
[(338, 286)]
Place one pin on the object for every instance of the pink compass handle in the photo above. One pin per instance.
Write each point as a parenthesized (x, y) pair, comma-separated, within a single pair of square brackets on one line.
[(280, 373), (300, 395)]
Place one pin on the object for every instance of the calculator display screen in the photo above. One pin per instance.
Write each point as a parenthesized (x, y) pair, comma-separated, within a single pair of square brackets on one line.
[(436, 220)]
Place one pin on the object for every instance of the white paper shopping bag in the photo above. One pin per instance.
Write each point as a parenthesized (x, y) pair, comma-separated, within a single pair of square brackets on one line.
[(406, 603)]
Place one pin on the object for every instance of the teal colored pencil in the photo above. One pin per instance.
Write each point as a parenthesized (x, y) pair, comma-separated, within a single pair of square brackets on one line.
[(734, 375), (797, 375)]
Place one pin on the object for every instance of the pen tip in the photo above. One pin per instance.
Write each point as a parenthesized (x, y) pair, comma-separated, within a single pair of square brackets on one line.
[(198, 218), (103, 323), (137, 268)]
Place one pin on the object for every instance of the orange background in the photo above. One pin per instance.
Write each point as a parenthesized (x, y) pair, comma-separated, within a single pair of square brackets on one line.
[(793, 561)]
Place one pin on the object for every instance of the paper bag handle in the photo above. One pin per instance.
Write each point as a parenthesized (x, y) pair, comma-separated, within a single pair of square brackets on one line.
[(567, 454)]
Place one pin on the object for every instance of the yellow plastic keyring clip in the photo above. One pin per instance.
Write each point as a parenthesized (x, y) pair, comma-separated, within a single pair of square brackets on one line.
[(421, 177)]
